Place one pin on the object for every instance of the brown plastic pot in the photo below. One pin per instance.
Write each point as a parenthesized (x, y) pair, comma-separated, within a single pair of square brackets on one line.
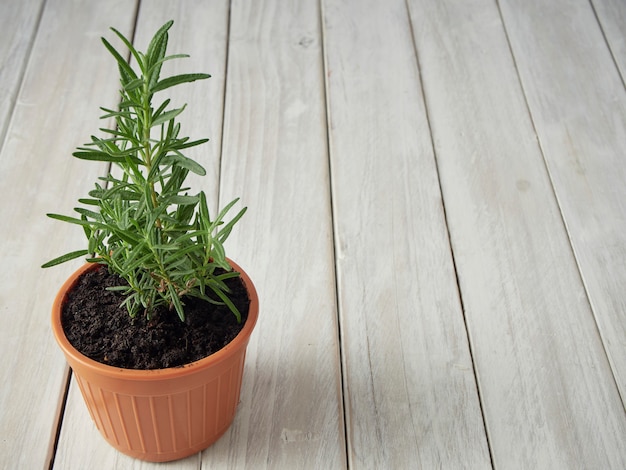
[(164, 414)]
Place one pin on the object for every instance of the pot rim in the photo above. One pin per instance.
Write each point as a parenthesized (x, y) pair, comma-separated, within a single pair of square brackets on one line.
[(85, 362)]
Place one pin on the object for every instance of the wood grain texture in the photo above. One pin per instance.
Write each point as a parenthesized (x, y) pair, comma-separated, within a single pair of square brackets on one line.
[(578, 104), (612, 17), (18, 26), (200, 30), (275, 157), (513, 110), (38, 175), (410, 392), (547, 391)]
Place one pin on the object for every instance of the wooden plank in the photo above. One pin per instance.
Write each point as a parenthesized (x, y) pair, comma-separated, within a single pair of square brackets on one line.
[(577, 100), (410, 390), (200, 30), (275, 158), (18, 26), (612, 17), (64, 82), (548, 395)]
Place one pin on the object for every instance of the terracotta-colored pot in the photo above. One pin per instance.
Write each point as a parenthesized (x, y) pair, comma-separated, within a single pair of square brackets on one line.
[(164, 414)]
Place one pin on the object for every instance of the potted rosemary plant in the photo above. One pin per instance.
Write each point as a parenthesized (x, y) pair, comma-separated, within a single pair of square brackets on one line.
[(155, 325)]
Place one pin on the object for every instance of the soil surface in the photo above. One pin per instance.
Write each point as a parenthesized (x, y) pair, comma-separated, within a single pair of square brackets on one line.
[(98, 327)]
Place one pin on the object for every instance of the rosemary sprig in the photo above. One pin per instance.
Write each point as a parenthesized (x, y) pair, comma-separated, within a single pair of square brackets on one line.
[(143, 224)]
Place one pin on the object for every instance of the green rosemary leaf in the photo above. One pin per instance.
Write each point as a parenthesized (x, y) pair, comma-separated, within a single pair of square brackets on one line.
[(64, 258), (89, 202), (125, 69), (177, 80), (88, 213), (190, 144), (96, 155), (182, 200), (158, 63), (225, 231), (187, 163), (128, 44), (117, 288), (161, 108), (167, 116), (133, 84), (176, 301), (227, 301), (155, 54), (73, 220), (157, 42)]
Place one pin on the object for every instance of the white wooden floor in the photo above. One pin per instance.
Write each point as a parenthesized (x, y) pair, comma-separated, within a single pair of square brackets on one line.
[(436, 224)]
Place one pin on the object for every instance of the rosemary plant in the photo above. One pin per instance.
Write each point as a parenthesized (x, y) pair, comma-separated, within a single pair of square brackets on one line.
[(141, 222)]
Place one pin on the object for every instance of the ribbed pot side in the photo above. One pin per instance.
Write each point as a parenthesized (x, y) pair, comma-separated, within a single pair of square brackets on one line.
[(165, 414)]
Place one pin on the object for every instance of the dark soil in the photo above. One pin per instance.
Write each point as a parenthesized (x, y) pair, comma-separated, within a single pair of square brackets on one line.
[(98, 327)]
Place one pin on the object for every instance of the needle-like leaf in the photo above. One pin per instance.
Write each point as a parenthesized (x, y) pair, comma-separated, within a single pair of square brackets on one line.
[(177, 80), (64, 258)]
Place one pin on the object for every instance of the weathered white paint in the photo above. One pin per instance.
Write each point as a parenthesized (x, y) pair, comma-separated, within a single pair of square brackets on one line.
[(18, 26), (546, 388), (547, 392), (410, 391), (612, 17), (56, 110), (578, 104), (275, 157)]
